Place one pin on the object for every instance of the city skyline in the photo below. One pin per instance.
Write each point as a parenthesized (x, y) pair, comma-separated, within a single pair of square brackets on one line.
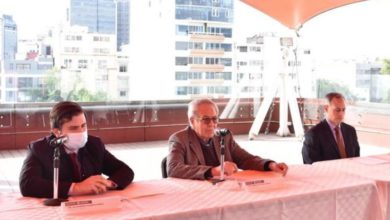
[(343, 27), (199, 60)]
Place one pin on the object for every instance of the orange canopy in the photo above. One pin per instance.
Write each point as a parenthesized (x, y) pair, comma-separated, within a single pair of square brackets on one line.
[(293, 13)]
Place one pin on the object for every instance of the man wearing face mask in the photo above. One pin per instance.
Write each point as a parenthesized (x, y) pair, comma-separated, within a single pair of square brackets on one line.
[(83, 159), (331, 138)]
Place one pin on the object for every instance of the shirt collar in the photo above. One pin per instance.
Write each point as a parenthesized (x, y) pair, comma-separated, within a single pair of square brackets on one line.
[(332, 125)]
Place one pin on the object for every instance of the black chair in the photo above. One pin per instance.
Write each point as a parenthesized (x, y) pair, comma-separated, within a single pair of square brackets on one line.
[(164, 167)]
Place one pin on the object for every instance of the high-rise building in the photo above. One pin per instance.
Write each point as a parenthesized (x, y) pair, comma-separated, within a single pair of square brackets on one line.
[(98, 15), (183, 47), (8, 37), (123, 23), (8, 49), (203, 44)]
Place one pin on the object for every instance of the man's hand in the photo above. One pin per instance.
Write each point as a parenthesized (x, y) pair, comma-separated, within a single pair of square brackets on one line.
[(229, 168), (92, 185), (278, 167)]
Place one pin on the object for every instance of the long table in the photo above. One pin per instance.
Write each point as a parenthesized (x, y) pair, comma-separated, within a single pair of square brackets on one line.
[(376, 168), (307, 192)]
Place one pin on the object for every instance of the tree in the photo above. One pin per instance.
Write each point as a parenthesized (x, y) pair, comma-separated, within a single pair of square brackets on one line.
[(325, 86), (386, 67), (50, 89), (83, 95)]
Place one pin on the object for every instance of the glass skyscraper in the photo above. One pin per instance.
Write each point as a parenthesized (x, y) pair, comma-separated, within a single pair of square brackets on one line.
[(97, 15), (9, 37), (123, 25)]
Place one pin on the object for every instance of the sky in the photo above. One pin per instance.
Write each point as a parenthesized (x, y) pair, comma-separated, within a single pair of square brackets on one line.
[(34, 16), (359, 29), (355, 30)]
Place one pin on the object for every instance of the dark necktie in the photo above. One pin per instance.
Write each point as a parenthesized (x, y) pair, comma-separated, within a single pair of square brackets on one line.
[(340, 143), (76, 167)]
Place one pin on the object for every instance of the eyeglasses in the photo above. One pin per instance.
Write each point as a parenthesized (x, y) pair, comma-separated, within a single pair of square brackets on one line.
[(207, 120), (338, 110)]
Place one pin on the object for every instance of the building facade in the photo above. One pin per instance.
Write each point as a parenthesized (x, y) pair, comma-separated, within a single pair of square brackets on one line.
[(87, 61), (185, 48), (123, 23), (8, 49), (98, 15)]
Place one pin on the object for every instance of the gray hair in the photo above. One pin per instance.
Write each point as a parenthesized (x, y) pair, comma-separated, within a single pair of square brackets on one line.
[(333, 95), (194, 105)]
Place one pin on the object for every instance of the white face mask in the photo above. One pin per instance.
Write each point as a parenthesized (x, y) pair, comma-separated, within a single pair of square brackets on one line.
[(76, 140)]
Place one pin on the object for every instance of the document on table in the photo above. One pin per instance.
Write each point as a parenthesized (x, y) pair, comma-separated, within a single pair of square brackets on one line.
[(371, 160)]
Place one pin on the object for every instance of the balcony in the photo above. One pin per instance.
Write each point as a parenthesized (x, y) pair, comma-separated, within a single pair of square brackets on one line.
[(207, 37)]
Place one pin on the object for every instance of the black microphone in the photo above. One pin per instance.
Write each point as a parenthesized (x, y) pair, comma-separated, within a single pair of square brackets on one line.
[(58, 141), (221, 132)]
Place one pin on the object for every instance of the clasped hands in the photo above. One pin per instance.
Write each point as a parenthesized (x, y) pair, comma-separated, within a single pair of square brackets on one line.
[(230, 168), (93, 185)]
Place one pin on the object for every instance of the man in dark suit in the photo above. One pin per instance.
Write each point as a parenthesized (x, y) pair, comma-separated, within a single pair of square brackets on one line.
[(83, 159), (331, 138), (194, 152)]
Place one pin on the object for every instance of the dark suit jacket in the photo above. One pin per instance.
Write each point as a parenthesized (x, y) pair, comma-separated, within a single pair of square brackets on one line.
[(186, 160), (320, 144), (36, 177)]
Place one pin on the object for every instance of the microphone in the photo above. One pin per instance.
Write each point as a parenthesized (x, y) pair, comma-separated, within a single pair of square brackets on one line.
[(221, 132), (59, 140)]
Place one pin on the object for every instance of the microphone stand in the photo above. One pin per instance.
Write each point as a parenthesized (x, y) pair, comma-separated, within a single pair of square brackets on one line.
[(222, 165), (55, 201), (222, 177)]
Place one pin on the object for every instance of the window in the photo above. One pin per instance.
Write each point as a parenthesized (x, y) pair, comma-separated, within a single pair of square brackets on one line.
[(101, 38), (23, 66), (83, 64), (181, 76), (25, 82), (68, 63), (102, 64), (123, 68), (72, 49), (73, 37), (215, 12), (182, 61), (101, 50), (243, 49), (122, 93), (181, 45), (226, 61)]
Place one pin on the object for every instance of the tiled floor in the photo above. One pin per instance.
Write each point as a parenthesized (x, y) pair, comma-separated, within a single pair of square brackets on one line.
[(145, 157)]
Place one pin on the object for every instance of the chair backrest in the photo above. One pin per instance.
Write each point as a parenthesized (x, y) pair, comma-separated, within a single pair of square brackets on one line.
[(164, 167)]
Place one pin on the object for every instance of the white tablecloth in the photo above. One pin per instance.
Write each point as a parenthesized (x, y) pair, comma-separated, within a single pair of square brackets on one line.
[(307, 192), (376, 168)]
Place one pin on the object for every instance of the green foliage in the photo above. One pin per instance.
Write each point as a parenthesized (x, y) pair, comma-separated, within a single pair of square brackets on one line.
[(385, 70), (83, 95), (325, 86), (51, 90)]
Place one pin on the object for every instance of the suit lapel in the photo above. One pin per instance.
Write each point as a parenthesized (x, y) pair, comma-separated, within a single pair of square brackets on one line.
[(195, 146)]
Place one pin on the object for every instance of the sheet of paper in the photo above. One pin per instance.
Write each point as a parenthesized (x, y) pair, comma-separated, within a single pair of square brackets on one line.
[(371, 160)]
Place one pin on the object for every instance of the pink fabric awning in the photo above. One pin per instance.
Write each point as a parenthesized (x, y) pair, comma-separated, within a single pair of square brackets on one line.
[(294, 13)]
